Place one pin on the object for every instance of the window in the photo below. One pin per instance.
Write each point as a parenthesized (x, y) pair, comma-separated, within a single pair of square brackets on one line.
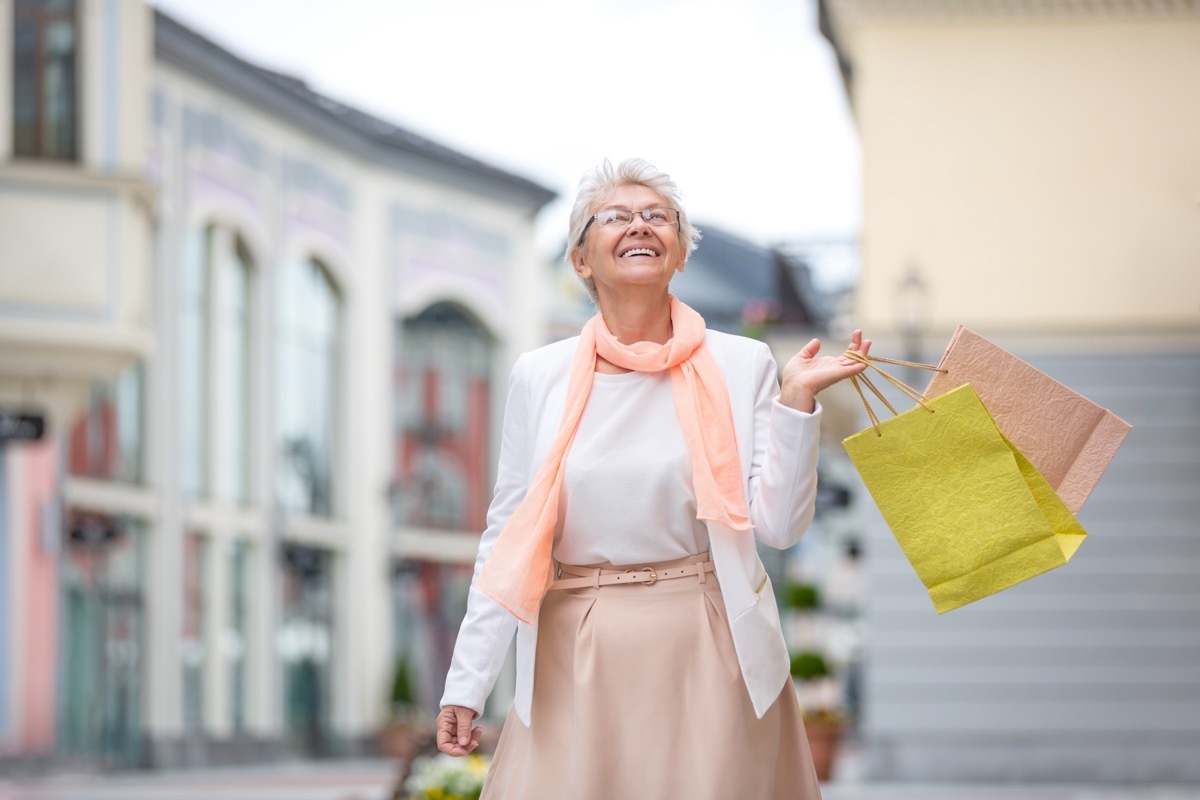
[(442, 374), (306, 646), (215, 359), (194, 647), (106, 440), (193, 362), (307, 339), (232, 350), (443, 385), (45, 85), (234, 644)]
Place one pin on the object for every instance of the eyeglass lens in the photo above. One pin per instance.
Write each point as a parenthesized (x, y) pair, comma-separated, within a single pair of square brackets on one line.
[(620, 216)]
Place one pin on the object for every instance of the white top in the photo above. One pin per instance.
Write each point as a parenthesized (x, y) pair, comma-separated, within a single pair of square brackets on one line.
[(627, 493), (777, 450)]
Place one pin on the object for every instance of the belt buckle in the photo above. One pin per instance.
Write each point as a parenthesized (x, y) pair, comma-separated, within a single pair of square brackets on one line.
[(653, 575)]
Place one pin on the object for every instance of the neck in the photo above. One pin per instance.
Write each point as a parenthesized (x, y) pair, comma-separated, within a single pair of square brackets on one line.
[(638, 319)]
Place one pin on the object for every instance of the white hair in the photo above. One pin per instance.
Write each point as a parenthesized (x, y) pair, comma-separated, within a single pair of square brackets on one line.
[(599, 184)]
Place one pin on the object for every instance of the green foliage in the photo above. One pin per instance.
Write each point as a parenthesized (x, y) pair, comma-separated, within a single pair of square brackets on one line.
[(802, 596), (809, 665), (402, 685)]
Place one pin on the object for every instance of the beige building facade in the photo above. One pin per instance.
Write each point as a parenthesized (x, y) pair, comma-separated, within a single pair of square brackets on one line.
[(71, 317), (1031, 171), (258, 326)]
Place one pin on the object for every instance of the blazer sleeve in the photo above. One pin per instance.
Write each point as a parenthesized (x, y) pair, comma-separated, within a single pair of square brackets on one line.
[(782, 483), (487, 628)]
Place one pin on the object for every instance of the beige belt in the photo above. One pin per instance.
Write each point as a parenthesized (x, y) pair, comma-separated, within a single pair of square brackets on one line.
[(596, 577)]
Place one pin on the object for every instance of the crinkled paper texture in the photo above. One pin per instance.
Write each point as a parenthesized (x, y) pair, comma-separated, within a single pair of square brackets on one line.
[(1070, 439), (970, 512)]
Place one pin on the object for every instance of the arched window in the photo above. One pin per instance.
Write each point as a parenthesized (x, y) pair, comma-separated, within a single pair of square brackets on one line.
[(215, 356), (232, 344), (308, 322), (192, 363), (442, 469), (443, 384)]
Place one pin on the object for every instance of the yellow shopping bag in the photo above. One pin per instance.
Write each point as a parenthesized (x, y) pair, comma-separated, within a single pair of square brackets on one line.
[(971, 513)]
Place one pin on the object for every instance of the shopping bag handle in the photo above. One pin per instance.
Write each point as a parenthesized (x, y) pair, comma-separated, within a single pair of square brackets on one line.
[(873, 362)]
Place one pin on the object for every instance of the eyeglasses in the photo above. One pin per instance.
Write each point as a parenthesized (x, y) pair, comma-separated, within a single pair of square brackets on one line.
[(621, 216)]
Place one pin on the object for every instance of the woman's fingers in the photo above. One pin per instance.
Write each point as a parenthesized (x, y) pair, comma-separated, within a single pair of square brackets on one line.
[(455, 736), (465, 719), (857, 342), (446, 723)]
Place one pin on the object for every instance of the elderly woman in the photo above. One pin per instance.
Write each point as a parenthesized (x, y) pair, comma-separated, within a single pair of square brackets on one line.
[(639, 463)]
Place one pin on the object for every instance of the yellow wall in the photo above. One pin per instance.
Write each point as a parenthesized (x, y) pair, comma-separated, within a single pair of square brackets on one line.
[(1041, 173)]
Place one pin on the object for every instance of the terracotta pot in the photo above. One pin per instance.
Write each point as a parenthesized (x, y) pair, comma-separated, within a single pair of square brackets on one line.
[(824, 736), (401, 741)]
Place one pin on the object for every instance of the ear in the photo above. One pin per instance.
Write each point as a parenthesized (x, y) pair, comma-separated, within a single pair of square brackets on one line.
[(682, 263), (581, 267)]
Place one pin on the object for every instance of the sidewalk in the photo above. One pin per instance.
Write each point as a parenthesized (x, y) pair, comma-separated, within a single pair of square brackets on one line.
[(297, 780), (850, 784), (1011, 791), (373, 780)]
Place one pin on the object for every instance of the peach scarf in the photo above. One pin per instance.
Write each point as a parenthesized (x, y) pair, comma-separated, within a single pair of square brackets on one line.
[(518, 569)]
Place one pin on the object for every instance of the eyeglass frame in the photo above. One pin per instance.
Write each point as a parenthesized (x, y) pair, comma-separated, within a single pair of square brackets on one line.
[(677, 223)]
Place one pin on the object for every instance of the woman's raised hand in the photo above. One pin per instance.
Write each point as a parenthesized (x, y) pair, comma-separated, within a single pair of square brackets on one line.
[(455, 736), (805, 374)]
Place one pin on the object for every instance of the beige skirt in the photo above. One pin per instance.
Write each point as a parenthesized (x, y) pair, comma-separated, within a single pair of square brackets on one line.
[(638, 694)]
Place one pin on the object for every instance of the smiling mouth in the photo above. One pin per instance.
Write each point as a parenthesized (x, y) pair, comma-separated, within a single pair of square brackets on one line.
[(639, 251)]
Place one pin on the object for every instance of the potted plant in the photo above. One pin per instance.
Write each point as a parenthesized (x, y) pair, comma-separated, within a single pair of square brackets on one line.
[(818, 696), (444, 777), (409, 730), (801, 603), (802, 596)]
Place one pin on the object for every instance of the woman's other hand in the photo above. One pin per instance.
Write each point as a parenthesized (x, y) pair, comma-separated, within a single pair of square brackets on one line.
[(805, 375), (455, 736)]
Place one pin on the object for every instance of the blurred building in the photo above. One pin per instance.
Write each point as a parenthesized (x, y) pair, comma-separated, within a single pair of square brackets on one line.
[(1031, 171), (741, 287), (252, 356)]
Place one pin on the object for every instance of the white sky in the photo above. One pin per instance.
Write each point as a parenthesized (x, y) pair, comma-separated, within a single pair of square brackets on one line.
[(746, 109)]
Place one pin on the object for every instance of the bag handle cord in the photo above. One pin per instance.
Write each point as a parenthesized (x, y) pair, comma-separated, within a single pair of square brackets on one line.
[(873, 362)]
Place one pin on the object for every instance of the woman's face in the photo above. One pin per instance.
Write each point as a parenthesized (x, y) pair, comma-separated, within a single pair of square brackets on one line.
[(619, 257)]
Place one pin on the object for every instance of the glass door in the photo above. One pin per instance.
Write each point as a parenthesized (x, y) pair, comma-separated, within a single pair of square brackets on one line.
[(306, 647), (103, 639)]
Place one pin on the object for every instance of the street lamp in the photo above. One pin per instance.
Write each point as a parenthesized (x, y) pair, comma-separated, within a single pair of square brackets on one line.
[(912, 300)]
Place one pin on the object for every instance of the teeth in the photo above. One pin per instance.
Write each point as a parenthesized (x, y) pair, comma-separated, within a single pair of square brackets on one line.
[(641, 251)]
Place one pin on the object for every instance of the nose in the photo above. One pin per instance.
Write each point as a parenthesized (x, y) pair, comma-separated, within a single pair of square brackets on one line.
[(638, 223)]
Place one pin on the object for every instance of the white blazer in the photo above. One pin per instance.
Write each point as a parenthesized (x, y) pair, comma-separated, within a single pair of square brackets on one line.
[(778, 448)]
